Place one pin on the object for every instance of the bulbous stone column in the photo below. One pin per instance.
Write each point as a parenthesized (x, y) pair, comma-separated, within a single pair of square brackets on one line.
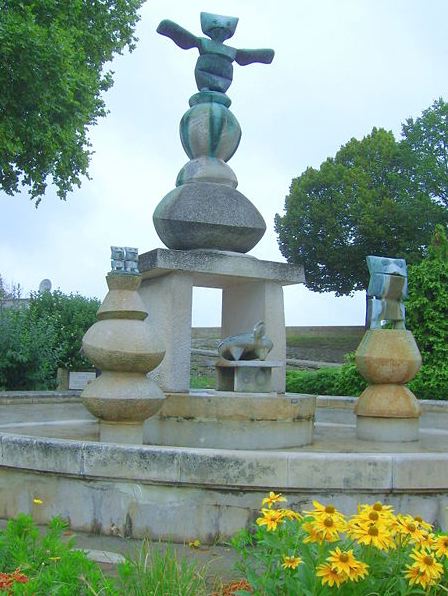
[(119, 344), (387, 358)]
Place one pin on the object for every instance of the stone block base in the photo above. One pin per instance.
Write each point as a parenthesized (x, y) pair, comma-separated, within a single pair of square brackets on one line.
[(116, 432), (247, 376), (397, 430)]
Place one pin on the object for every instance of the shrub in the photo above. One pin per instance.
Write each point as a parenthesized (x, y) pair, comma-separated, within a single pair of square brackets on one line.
[(35, 341)]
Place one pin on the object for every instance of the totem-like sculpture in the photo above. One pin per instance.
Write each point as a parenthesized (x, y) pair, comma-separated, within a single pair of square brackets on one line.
[(387, 358), (205, 211), (120, 345)]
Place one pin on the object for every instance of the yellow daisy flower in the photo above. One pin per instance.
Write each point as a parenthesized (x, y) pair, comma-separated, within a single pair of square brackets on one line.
[(373, 534), (291, 562), (440, 545), (37, 501), (312, 534), (407, 527), (272, 499), (344, 562), (328, 528), (331, 576), (378, 507), (427, 541), (422, 523), (427, 563), (321, 510), (271, 518), (416, 576), (289, 514)]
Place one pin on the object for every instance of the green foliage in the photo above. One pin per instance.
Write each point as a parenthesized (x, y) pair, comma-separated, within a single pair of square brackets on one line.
[(425, 139), (35, 341), (51, 81), (29, 352), (71, 315), (50, 564), (365, 200), (427, 318), (53, 567), (156, 572)]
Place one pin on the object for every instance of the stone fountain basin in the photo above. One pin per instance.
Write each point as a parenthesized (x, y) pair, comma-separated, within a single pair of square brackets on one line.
[(49, 450)]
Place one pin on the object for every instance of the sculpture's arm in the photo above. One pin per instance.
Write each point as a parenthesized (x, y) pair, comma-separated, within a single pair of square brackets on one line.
[(181, 37), (244, 57)]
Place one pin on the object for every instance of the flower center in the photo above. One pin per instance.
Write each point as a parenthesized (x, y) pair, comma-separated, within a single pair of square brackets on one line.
[(418, 519), (330, 509), (343, 557), (328, 522), (428, 560), (411, 527), (377, 506), (373, 531), (373, 515)]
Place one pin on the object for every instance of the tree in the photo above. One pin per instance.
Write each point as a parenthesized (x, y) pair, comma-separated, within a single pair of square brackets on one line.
[(358, 203), (51, 80), (426, 141)]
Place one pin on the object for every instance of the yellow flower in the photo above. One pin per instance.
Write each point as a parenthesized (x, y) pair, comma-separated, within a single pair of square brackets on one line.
[(312, 534), (327, 528), (54, 558), (407, 527), (416, 576), (194, 543), (427, 541), (426, 563), (440, 545), (273, 498), (289, 514), (383, 510), (344, 562), (291, 562), (422, 523), (321, 510), (37, 501), (330, 575), (271, 518), (373, 534)]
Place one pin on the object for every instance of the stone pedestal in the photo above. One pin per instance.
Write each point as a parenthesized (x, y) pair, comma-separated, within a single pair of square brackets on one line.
[(245, 376), (252, 291), (387, 410)]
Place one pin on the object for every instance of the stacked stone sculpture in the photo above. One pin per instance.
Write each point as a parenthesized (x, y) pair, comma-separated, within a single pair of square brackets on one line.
[(205, 211), (387, 357), (120, 344)]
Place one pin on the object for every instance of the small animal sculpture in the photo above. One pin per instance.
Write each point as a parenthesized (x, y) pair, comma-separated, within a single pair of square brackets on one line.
[(246, 346), (387, 289)]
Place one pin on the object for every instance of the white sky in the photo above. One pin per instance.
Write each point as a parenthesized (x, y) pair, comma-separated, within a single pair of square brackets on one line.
[(341, 67)]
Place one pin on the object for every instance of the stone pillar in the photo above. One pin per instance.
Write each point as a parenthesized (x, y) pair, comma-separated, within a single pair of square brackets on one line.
[(168, 299), (120, 344), (244, 304), (387, 410)]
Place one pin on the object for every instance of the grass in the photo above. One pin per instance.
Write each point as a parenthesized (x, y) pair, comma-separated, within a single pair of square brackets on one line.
[(202, 382), (348, 342)]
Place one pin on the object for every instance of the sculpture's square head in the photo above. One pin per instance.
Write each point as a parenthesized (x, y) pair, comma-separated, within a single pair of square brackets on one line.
[(386, 266), (218, 27)]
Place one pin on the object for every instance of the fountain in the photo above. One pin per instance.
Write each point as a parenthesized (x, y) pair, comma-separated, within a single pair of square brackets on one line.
[(170, 463)]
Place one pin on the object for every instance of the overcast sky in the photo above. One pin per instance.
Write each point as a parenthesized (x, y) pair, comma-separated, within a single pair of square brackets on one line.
[(340, 68)]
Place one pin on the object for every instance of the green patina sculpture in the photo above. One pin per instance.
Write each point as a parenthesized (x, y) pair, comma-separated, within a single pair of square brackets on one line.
[(214, 69), (387, 289)]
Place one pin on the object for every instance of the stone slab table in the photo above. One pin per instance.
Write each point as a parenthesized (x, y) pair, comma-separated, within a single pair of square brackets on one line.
[(252, 291)]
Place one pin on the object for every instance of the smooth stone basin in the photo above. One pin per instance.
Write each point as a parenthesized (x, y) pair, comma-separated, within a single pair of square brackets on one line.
[(49, 449)]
